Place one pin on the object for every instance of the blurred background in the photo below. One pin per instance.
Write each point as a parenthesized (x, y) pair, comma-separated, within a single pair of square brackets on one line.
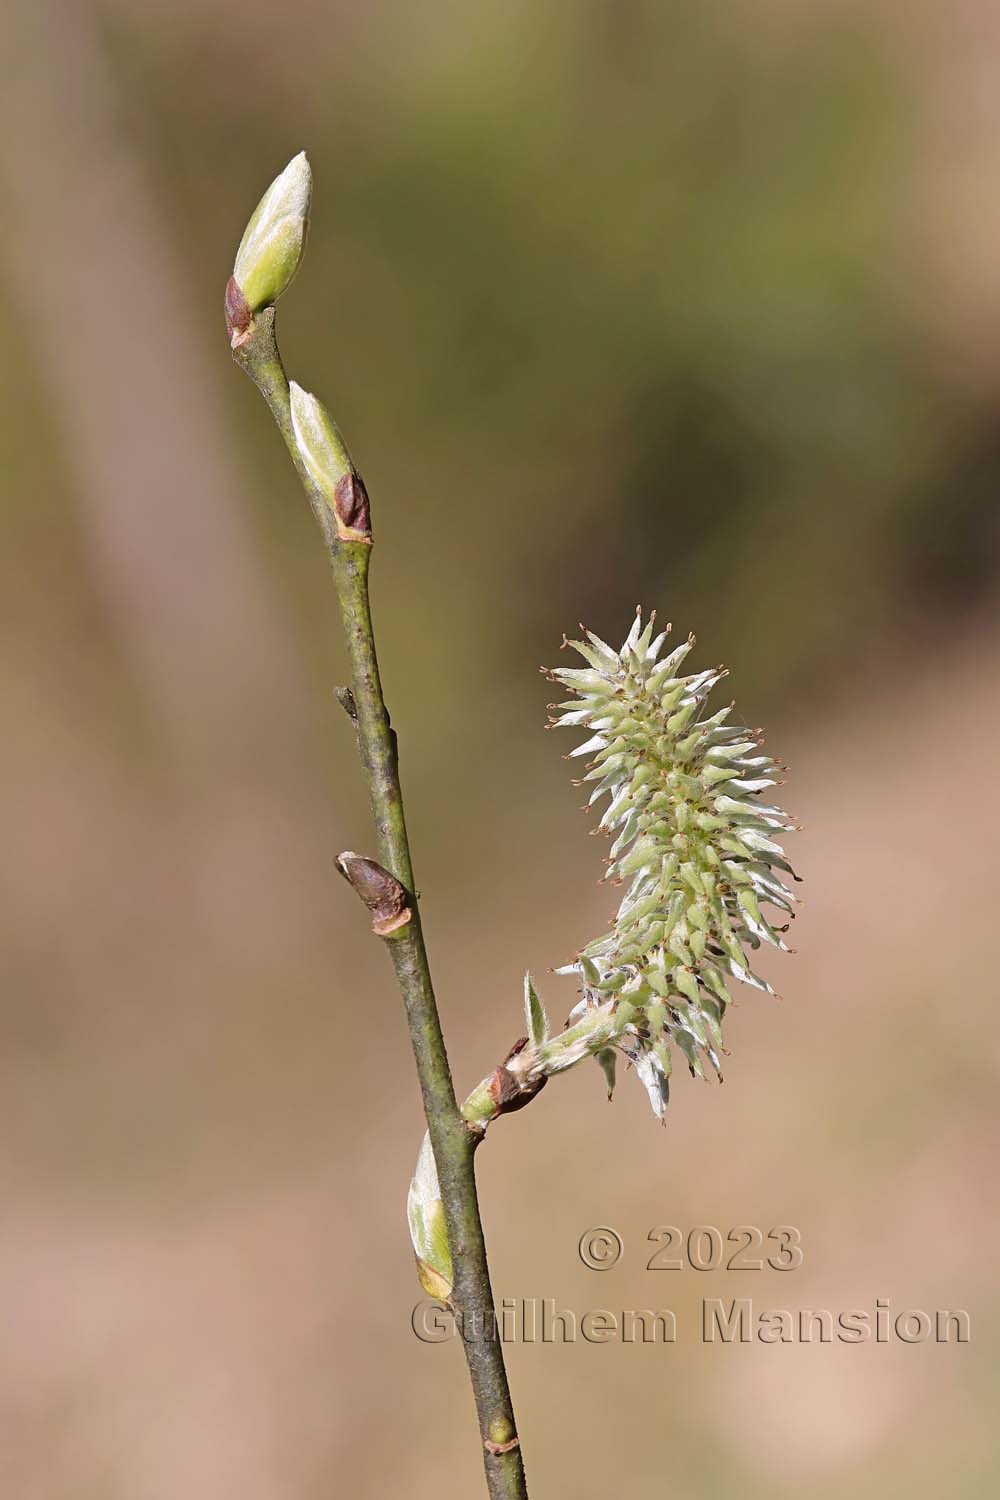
[(691, 304)]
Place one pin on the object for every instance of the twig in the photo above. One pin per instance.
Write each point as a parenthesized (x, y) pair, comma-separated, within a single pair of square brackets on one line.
[(389, 893)]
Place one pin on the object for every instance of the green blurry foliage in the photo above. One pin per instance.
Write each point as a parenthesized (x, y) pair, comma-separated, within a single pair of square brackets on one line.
[(611, 301)]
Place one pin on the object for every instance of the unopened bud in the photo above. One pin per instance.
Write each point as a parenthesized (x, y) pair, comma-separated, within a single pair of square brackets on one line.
[(381, 892), (272, 243), (328, 464), (425, 1212)]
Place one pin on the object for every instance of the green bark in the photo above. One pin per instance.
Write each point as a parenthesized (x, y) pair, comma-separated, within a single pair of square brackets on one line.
[(256, 352)]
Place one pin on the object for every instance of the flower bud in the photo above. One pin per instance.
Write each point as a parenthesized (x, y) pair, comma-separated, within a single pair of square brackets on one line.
[(328, 464), (272, 243)]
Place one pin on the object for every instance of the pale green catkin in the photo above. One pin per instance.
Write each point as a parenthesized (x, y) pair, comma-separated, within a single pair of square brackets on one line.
[(696, 845), (693, 839)]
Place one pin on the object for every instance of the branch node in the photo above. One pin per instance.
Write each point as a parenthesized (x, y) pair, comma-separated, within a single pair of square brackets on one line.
[(497, 1448), (345, 698)]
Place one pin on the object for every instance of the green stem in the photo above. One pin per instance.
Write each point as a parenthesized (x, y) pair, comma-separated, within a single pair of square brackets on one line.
[(453, 1143)]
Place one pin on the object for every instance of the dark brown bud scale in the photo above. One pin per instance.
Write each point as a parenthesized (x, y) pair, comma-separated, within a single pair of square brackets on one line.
[(510, 1092), (350, 501), (381, 892), (238, 314)]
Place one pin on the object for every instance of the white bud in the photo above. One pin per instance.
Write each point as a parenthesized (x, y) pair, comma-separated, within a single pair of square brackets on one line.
[(272, 244), (425, 1212), (328, 464)]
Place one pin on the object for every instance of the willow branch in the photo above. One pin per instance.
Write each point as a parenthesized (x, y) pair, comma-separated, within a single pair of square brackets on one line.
[(386, 885)]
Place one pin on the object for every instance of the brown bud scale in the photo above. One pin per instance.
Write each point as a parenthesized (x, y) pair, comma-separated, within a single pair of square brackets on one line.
[(350, 502), (381, 892), (509, 1092), (238, 314)]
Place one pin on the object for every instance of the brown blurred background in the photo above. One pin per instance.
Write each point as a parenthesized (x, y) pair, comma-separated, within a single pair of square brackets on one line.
[(693, 304)]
